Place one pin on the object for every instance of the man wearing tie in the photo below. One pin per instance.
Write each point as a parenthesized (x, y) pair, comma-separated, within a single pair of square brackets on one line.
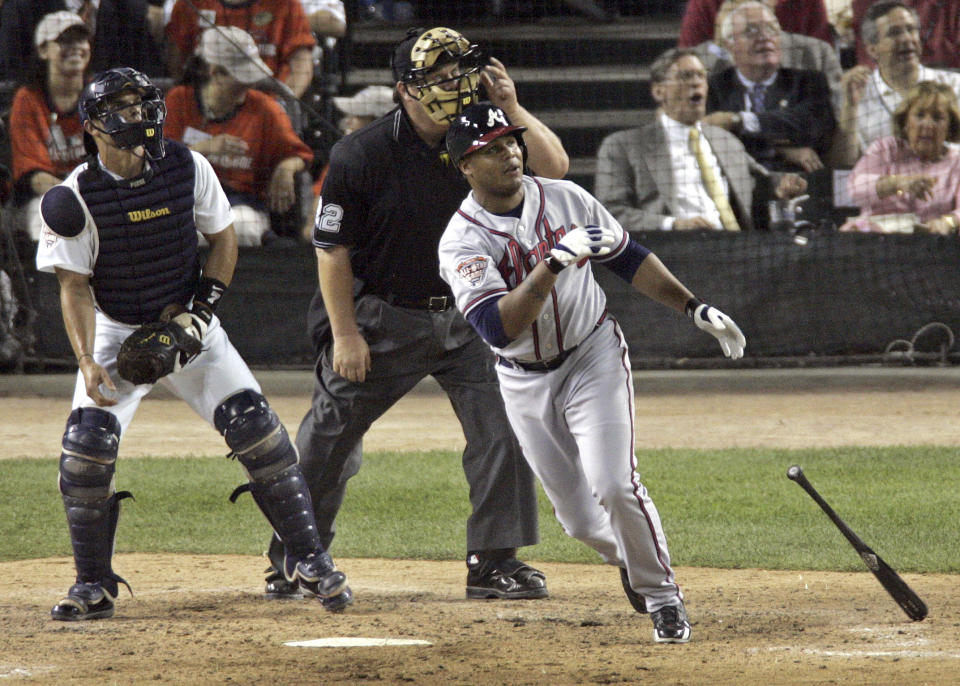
[(678, 173), (783, 116)]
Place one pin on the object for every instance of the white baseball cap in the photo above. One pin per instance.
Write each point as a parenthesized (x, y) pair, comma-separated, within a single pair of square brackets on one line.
[(233, 49), (372, 101), (52, 26)]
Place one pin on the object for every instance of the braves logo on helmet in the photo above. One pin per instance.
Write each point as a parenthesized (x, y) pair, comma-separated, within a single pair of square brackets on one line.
[(477, 126)]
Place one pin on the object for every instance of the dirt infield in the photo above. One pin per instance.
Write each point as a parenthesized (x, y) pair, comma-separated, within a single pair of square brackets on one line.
[(201, 620)]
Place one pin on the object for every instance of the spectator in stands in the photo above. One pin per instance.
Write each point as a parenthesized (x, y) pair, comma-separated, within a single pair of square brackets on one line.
[(48, 142), (357, 111), (939, 38), (891, 33), (678, 173), (808, 17), (912, 179), (280, 29), (119, 30), (326, 17), (244, 133), (797, 52), (783, 116)]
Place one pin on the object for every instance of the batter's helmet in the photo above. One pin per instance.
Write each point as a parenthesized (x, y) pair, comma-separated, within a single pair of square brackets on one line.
[(99, 105), (477, 126), (421, 52)]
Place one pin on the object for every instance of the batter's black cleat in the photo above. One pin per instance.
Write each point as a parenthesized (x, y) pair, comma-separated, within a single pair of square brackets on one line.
[(278, 588), (318, 575), (507, 579), (339, 602), (635, 598), (84, 601), (670, 624)]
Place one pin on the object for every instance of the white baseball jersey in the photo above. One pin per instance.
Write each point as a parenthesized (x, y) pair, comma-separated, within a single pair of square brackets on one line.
[(484, 255), (216, 373), (574, 422)]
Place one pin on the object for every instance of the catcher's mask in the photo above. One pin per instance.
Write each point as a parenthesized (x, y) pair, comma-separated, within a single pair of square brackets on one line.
[(477, 126), (129, 124), (419, 56)]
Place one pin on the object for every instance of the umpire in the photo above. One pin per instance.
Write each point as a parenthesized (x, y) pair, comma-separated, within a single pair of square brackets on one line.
[(383, 319), (120, 233)]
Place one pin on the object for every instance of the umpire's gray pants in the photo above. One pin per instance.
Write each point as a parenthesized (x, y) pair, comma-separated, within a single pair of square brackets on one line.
[(407, 345)]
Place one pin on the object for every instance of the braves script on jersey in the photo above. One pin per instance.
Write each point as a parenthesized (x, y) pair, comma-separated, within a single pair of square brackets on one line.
[(484, 255)]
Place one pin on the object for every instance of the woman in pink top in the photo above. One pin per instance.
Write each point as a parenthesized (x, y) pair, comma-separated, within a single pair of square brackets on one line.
[(914, 172)]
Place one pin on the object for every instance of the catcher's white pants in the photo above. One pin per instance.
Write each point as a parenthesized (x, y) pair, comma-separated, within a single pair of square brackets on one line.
[(576, 427), (213, 376)]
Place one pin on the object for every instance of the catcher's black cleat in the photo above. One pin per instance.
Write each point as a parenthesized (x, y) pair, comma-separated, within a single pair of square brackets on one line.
[(318, 576), (670, 624), (278, 588), (507, 579), (635, 598), (84, 601), (339, 602)]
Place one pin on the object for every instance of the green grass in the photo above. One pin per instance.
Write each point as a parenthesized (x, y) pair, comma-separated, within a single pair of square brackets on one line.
[(720, 508)]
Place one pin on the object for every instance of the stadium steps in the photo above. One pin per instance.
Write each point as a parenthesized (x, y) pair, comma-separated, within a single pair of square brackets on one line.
[(583, 80)]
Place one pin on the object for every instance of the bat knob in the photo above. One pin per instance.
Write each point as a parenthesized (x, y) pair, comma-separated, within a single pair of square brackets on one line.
[(794, 472)]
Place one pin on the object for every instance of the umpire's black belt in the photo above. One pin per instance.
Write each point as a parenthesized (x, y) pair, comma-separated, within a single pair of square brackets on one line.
[(434, 303)]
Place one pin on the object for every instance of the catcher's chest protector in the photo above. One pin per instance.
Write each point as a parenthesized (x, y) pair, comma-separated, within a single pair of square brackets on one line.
[(148, 240)]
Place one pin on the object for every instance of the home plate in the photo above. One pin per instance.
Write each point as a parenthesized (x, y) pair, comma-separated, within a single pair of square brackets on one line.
[(356, 642)]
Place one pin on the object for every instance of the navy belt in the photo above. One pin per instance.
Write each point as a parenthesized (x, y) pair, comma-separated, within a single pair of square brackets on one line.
[(539, 365), (435, 303)]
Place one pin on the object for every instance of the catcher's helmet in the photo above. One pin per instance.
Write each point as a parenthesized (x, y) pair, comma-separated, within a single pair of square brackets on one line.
[(477, 126), (128, 126), (421, 52)]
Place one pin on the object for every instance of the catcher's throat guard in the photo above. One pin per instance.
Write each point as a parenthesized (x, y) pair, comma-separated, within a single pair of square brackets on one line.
[(444, 90)]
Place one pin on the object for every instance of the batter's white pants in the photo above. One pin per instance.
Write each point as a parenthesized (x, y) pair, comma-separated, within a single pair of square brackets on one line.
[(576, 427)]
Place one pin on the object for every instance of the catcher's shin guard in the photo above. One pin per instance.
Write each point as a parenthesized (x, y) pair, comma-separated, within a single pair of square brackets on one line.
[(87, 465), (261, 444)]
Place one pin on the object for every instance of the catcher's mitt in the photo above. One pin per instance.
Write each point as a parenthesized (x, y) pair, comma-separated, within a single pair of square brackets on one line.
[(155, 350)]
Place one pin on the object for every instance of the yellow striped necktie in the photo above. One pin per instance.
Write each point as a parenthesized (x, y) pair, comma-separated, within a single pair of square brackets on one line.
[(712, 183)]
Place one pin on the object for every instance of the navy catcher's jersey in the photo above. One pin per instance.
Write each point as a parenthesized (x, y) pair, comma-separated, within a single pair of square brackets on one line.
[(388, 196)]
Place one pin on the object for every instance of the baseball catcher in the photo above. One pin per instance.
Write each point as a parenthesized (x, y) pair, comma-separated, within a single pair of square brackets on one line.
[(141, 200)]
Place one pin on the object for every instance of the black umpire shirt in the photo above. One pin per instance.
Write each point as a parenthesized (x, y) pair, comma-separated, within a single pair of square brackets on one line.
[(388, 197)]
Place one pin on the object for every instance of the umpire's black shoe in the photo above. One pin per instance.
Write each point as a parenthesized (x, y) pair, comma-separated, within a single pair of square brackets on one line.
[(339, 602), (84, 601), (670, 624), (635, 598), (505, 579)]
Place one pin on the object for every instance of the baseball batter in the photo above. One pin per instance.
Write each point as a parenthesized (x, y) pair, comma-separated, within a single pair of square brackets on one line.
[(517, 256), (120, 233)]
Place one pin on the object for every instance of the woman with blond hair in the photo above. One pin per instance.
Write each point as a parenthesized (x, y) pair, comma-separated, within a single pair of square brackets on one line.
[(911, 180)]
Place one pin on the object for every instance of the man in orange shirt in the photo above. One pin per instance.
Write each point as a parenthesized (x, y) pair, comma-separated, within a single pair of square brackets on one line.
[(279, 28), (244, 133)]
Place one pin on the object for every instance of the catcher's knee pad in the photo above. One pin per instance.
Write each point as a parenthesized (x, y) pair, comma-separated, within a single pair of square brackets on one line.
[(255, 435), (88, 460), (261, 444)]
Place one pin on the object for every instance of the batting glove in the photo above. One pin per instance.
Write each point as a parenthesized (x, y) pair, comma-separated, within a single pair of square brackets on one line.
[(583, 241), (720, 326)]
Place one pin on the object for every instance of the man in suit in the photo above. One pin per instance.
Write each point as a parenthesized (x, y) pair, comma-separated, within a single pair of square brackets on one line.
[(783, 116), (798, 51), (656, 177)]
